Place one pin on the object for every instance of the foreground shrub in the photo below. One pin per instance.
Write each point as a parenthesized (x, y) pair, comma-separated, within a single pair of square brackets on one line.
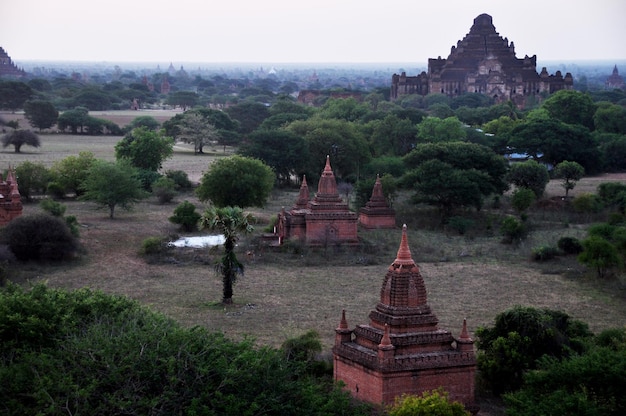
[(512, 230), (587, 203), (52, 207), (180, 178), (520, 337), (39, 237), (600, 255), (32, 179), (569, 245), (88, 353), (186, 216), (164, 189), (435, 403), (152, 246), (544, 253)]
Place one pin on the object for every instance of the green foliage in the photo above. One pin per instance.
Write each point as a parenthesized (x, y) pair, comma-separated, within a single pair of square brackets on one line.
[(364, 188), (164, 189), (74, 119), (569, 245), (180, 178), (112, 184), (32, 177), (599, 254), (531, 175), (460, 224), (197, 130), (429, 403), (145, 149), (614, 154), (543, 253), (230, 222), (41, 114), (182, 99), (571, 107), (152, 246), (52, 207), (512, 230), (347, 109), (19, 138), (587, 203), (13, 94), (436, 130), (522, 199), (148, 122), (613, 194), (610, 119), (591, 384), (570, 172), (146, 177), (236, 181), (85, 352), (186, 216), (39, 237), (392, 135), (69, 173), (519, 338), (248, 114)]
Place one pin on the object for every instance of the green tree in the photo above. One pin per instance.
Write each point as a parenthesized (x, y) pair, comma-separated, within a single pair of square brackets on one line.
[(41, 114), (522, 199), (74, 119), (145, 149), (182, 99), (248, 114), (236, 181), (33, 177), (111, 185), (570, 172), (529, 174), (13, 94), (429, 403), (599, 254), (148, 122), (69, 173), (347, 109), (454, 174), (19, 138), (186, 216), (571, 107), (94, 99), (164, 189), (230, 222), (285, 152), (610, 118), (435, 130), (392, 136), (197, 130)]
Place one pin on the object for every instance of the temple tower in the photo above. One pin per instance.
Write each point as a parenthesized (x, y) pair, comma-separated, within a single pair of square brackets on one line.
[(376, 213), (402, 349), (10, 198)]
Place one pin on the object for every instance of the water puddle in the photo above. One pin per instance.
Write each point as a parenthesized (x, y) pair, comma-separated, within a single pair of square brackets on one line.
[(199, 241)]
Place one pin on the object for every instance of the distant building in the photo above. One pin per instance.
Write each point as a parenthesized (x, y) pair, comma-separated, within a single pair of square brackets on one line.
[(485, 63), (615, 80), (10, 198), (7, 67)]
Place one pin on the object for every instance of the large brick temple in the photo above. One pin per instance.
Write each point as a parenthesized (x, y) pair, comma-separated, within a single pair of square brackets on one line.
[(10, 198), (402, 349), (482, 62)]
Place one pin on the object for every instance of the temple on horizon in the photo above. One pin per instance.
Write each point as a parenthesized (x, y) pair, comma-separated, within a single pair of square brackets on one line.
[(485, 63)]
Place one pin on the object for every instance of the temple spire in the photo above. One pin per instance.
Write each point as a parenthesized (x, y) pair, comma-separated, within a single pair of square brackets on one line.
[(403, 257)]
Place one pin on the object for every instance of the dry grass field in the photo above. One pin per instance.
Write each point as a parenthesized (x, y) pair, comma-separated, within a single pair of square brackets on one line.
[(285, 293)]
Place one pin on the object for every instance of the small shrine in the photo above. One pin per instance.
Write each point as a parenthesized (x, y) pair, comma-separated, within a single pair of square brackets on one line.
[(402, 349), (324, 220), (376, 213), (10, 198)]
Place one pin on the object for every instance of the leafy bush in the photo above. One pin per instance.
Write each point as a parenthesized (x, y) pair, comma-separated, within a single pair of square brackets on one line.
[(84, 352), (460, 224), (32, 178), (587, 203), (53, 208), (186, 216), (522, 199), (569, 245), (513, 230), (544, 253), (434, 403), (599, 254), (39, 237), (152, 246), (164, 189), (180, 178), (521, 336)]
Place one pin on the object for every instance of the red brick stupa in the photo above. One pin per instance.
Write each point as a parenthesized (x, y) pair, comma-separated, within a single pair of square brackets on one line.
[(325, 220), (403, 350), (376, 213), (10, 198)]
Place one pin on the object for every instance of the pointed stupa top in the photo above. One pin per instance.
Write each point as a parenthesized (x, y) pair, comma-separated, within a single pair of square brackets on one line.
[(464, 333), (377, 192), (385, 341), (303, 196), (343, 324), (403, 258), (327, 184)]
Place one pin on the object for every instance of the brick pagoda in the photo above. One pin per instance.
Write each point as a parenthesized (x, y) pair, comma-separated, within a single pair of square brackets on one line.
[(403, 350), (10, 198), (324, 220), (376, 213)]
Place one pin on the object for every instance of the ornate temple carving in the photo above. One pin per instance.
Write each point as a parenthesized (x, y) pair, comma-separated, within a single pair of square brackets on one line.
[(402, 349), (482, 62)]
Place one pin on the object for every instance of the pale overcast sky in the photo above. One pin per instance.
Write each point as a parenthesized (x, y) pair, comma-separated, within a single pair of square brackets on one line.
[(302, 31)]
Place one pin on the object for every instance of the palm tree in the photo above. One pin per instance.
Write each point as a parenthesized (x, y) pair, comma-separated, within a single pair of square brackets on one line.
[(230, 222)]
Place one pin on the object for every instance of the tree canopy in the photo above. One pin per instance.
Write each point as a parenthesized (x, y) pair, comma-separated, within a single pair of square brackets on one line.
[(41, 114), (145, 149), (236, 181), (19, 138)]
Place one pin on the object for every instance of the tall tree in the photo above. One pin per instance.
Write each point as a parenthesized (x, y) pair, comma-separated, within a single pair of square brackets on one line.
[(571, 107), (230, 222), (531, 175), (41, 114), (19, 138), (13, 94), (197, 130), (145, 149), (570, 173), (182, 99), (112, 184), (236, 181), (249, 114)]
